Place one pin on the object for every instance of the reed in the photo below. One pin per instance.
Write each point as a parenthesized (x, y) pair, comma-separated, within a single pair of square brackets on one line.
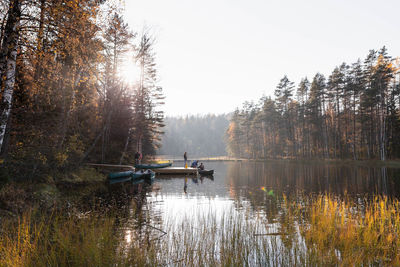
[(54, 240), (321, 230), (346, 233)]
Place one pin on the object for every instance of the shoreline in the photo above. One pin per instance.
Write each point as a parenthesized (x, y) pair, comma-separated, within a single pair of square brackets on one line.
[(393, 163)]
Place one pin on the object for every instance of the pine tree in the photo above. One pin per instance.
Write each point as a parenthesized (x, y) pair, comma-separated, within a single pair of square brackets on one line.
[(148, 119)]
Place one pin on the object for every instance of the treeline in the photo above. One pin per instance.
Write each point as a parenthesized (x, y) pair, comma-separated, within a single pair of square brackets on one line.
[(63, 98), (198, 135), (351, 114)]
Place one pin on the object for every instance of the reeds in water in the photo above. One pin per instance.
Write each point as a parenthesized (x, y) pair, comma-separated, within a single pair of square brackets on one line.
[(346, 233), (322, 230)]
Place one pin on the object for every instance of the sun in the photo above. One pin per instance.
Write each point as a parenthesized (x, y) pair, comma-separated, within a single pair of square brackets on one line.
[(130, 73)]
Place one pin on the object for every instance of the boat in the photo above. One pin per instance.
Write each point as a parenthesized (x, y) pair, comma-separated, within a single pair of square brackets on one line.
[(117, 175), (176, 171), (148, 174), (206, 172), (153, 166), (120, 180), (130, 175)]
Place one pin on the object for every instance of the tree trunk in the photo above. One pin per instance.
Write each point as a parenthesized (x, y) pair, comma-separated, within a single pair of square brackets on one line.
[(96, 139), (11, 36), (66, 116), (125, 147), (38, 67), (383, 131), (354, 127)]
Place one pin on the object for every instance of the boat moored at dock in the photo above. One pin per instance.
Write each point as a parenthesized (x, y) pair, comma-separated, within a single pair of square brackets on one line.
[(176, 170), (153, 166)]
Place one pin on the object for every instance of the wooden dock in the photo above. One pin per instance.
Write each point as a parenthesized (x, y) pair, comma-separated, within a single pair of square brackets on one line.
[(176, 170)]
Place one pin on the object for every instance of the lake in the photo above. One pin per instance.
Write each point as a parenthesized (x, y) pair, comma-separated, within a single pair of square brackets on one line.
[(251, 198), (258, 184), (275, 213)]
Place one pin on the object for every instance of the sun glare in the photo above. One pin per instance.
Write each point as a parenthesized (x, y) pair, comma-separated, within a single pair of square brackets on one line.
[(130, 73)]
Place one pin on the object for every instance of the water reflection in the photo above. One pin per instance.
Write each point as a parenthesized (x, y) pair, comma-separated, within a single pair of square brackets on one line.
[(259, 187), (249, 192), (290, 178)]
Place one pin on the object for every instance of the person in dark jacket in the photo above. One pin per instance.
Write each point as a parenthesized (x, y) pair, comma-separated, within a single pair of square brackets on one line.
[(194, 164), (201, 167), (138, 157), (185, 159)]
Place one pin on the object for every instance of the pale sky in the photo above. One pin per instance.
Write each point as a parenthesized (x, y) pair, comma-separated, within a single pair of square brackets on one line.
[(213, 55)]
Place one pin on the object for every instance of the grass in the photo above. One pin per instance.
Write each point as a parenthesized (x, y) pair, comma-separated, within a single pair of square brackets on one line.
[(56, 241), (351, 234), (317, 230)]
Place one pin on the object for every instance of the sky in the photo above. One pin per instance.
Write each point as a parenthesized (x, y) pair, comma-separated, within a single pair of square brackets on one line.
[(213, 55)]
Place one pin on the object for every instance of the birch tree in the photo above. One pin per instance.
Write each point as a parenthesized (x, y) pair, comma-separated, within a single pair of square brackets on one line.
[(8, 62)]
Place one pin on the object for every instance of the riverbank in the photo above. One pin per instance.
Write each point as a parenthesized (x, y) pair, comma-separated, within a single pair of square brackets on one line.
[(371, 163), (70, 221), (46, 192), (362, 162)]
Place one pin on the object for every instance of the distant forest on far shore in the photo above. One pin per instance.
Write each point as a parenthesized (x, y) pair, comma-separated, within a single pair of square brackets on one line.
[(199, 135), (354, 113)]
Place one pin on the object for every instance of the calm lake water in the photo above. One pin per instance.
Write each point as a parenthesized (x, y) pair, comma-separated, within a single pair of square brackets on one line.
[(255, 188), (182, 216)]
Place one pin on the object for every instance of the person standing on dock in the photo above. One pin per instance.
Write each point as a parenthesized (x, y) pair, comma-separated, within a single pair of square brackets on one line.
[(138, 157), (185, 159)]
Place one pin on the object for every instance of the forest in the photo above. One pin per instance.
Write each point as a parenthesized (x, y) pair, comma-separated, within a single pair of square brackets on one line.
[(351, 114), (64, 101), (198, 135)]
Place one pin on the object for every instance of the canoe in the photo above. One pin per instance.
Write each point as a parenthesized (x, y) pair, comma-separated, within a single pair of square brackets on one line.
[(120, 180), (206, 172), (149, 175), (117, 175), (153, 166), (136, 178), (130, 175)]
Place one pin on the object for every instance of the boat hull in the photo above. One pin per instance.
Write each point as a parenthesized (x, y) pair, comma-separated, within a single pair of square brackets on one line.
[(206, 172), (153, 166), (118, 177)]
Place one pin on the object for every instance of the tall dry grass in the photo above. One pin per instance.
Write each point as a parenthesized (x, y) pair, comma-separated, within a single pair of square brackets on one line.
[(322, 230), (54, 240), (346, 233)]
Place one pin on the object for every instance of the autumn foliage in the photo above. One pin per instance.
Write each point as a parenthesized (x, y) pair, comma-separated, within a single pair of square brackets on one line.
[(69, 103)]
